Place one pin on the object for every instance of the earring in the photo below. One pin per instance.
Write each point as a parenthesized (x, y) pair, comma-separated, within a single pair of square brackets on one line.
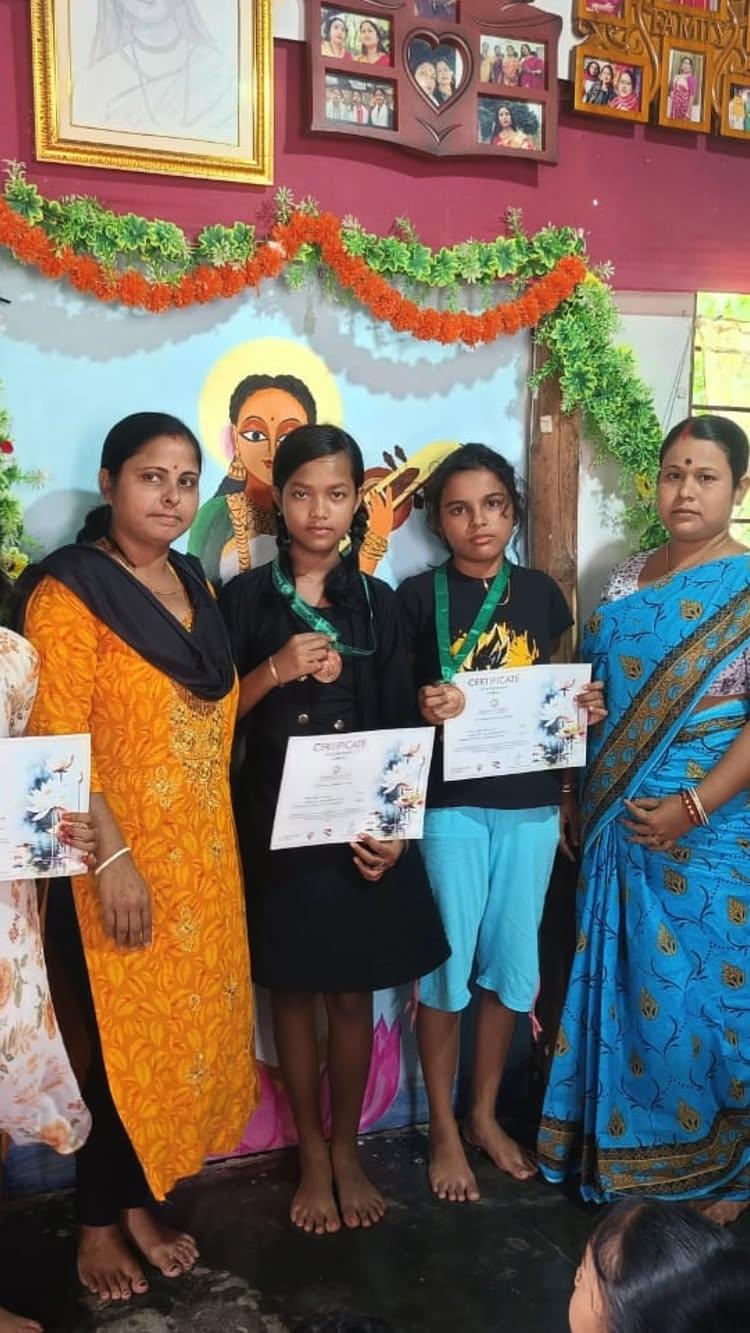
[(237, 468)]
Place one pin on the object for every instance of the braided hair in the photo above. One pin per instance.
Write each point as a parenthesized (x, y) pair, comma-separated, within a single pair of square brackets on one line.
[(343, 585)]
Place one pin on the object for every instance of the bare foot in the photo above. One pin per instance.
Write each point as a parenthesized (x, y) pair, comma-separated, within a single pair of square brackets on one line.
[(17, 1323), (500, 1148), (172, 1252), (106, 1266), (313, 1206), (722, 1211), (362, 1205), (449, 1173)]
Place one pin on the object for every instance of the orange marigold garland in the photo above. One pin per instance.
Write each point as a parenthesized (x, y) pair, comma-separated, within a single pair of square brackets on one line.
[(204, 283)]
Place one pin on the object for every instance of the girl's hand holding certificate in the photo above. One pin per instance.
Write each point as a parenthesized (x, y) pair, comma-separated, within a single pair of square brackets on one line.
[(372, 857), (439, 703), (591, 698)]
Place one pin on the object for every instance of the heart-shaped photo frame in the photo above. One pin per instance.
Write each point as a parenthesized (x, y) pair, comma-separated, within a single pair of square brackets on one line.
[(439, 65)]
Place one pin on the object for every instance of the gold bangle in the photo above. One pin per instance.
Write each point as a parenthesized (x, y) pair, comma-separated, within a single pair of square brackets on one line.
[(700, 807), (274, 673), (374, 546)]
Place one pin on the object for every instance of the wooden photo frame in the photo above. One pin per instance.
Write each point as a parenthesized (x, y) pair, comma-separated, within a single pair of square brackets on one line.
[(188, 93), (625, 92), (736, 90), (686, 82), (605, 11), (434, 99), (716, 8)]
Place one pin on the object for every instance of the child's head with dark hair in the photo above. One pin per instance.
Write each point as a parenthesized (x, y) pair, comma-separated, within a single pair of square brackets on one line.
[(652, 1267), (318, 476), (474, 503), (471, 458)]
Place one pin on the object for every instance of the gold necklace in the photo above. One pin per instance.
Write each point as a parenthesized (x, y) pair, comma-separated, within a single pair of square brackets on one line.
[(119, 555)]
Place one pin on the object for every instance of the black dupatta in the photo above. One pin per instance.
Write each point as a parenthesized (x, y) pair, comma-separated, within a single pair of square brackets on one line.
[(200, 659)]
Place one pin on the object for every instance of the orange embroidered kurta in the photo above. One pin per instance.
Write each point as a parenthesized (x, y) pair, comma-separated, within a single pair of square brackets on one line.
[(175, 1019)]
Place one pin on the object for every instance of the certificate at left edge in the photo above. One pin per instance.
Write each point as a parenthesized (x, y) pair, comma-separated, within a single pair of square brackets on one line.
[(43, 777)]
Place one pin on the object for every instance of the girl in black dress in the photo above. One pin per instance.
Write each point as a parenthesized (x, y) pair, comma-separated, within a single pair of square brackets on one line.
[(319, 650)]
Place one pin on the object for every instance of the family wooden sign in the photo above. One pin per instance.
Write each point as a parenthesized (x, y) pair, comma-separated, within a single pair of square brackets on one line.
[(687, 60)]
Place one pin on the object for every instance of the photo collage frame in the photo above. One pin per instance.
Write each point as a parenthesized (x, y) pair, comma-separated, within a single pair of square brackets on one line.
[(436, 76)]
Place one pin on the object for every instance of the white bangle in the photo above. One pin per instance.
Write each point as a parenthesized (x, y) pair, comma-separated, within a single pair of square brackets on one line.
[(121, 851)]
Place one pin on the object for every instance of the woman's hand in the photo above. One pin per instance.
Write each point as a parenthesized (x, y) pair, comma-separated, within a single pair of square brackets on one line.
[(570, 829), (126, 904), (301, 655), (439, 703), (380, 513), (77, 830), (592, 699), (657, 824), (372, 857)]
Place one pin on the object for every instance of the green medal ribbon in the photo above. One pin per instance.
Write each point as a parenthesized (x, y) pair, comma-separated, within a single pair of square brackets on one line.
[(311, 616), (450, 662)]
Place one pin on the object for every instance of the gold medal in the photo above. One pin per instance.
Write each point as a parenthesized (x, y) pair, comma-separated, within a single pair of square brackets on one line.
[(330, 670)]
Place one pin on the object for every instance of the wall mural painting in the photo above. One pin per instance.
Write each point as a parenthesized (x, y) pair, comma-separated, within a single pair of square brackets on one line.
[(243, 381), (244, 417)]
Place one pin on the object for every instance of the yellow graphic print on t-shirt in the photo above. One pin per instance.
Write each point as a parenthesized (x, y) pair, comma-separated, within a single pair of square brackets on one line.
[(499, 646)]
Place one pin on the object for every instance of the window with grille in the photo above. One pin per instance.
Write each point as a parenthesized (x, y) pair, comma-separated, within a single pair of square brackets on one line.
[(721, 370)]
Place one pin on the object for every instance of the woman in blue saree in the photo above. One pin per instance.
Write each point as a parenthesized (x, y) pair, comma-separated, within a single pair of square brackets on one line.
[(649, 1091)]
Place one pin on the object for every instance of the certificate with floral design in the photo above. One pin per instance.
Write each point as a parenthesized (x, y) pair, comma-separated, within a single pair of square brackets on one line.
[(521, 721), (43, 777), (334, 788)]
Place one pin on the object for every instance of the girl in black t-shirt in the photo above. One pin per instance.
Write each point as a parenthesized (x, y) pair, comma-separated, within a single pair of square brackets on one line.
[(319, 651), (489, 843)]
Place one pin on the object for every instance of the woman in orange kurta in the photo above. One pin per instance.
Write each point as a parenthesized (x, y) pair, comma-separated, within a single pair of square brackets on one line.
[(133, 650)]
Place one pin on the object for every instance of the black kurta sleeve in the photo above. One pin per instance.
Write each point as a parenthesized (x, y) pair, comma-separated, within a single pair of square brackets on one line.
[(244, 605)]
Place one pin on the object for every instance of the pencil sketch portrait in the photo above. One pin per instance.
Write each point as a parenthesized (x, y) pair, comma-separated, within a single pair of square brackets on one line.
[(156, 67)]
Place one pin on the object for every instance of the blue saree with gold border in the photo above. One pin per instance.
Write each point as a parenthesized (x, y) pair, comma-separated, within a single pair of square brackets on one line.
[(649, 1091)]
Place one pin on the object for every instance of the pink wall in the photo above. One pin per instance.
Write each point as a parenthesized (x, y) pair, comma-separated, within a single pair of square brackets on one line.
[(668, 209)]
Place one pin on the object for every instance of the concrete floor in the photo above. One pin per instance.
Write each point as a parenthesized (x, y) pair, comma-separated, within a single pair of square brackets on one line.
[(506, 1263)]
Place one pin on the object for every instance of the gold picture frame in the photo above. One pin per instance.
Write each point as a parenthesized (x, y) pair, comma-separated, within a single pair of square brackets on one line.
[(696, 82), (735, 85), (195, 102), (614, 106)]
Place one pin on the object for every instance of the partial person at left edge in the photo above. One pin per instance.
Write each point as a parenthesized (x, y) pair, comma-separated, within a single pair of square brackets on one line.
[(40, 1101)]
